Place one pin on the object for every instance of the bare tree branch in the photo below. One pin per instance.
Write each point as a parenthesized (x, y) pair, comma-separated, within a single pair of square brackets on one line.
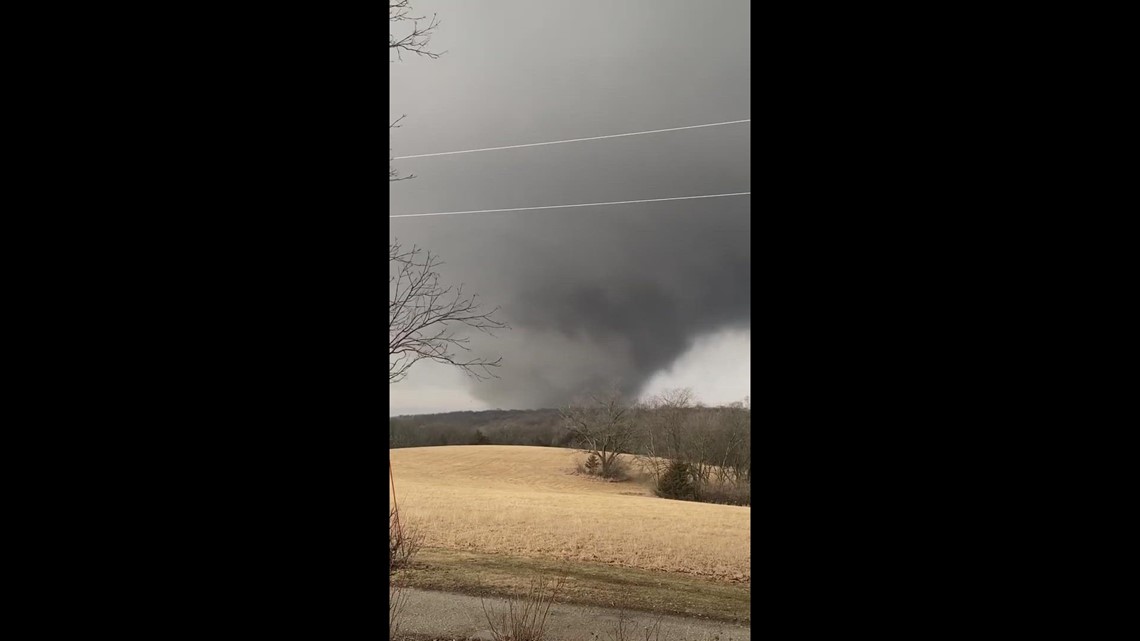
[(423, 317), (416, 41), (422, 314), (393, 174)]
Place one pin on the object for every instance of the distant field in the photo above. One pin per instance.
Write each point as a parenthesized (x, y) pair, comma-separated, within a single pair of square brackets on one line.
[(526, 502)]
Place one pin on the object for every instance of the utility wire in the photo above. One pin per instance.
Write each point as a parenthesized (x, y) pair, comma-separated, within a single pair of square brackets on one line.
[(559, 142), (616, 202)]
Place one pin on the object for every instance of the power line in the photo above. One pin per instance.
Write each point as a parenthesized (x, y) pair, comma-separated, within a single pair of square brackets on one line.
[(616, 202), (559, 142)]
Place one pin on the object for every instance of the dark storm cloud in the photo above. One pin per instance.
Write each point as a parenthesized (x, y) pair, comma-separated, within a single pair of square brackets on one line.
[(593, 294)]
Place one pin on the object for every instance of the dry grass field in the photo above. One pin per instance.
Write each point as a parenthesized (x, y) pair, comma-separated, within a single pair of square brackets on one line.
[(528, 502)]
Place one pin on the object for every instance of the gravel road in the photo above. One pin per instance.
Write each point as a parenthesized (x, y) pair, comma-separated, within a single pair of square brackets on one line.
[(460, 615)]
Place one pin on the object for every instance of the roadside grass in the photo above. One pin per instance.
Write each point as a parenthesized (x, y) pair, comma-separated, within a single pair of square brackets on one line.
[(596, 584)]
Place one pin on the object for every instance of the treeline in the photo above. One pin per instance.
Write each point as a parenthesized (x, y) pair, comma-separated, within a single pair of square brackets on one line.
[(688, 451), (696, 453), (541, 428), (714, 441), (683, 449)]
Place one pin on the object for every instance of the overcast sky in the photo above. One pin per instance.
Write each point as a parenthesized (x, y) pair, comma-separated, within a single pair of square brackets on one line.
[(650, 295)]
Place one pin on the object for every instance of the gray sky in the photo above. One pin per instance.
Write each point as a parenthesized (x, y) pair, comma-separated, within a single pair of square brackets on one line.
[(651, 295)]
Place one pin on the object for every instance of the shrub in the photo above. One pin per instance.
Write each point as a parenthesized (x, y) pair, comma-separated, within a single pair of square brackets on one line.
[(404, 542), (397, 600), (618, 470), (677, 483), (592, 464), (725, 493), (525, 618), (628, 629)]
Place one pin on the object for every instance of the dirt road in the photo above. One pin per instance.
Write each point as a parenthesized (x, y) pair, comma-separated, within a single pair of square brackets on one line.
[(459, 615)]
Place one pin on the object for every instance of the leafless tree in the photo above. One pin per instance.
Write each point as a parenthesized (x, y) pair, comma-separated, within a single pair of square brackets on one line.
[(603, 424), (423, 317), (713, 442), (663, 430), (738, 452)]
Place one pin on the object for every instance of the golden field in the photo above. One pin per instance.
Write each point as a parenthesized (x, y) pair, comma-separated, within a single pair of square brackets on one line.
[(529, 502)]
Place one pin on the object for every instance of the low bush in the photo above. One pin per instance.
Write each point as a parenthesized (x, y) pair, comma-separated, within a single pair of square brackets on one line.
[(629, 629), (404, 541), (526, 613), (397, 599), (618, 471), (581, 467), (677, 483), (592, 463), (725, 493)]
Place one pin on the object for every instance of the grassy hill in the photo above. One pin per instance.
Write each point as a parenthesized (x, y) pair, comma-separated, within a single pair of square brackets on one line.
[(493, 515)]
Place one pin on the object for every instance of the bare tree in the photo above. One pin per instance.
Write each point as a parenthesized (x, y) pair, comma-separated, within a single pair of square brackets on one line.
[(604, 425), (709, 440), (423, 317), (738, 451), (663, 432)]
